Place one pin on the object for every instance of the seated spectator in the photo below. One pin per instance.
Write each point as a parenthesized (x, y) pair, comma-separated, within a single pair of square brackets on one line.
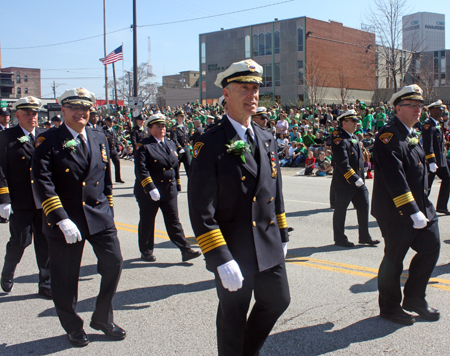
[(309, 163), (308, 138), (323, 165), (288, 153), (294, 135), (319, 143), (299, 155), (282, 142)]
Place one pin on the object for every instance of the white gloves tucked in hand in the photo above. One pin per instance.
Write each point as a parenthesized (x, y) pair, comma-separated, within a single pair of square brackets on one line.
[(181, 151), (70, 231), (5, 210), (230, 275), (433, 167), (359, 182), (154, 194), (284, 244), (420, 220)]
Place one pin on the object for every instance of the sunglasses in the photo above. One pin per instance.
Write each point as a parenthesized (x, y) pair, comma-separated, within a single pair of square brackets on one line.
[(413, 106), (77, 107)]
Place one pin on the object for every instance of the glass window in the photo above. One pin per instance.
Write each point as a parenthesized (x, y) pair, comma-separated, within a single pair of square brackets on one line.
[(277, 74), (19, 91), (300, 39), (300, 72), (247, 47), (268, 43), (262, 47), (276, 39), (25, 78), (255, 45), (268, 71), (203, 52), (18, 78), (26, 91)]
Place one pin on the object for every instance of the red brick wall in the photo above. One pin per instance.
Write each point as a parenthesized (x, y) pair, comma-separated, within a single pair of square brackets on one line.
[(332, 56)]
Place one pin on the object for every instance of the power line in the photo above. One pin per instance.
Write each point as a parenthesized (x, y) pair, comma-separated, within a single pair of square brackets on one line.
[(153, 25)]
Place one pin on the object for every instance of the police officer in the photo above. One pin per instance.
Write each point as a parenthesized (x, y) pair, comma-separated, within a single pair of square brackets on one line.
[(56, 121), (113, 142), (137, 132), (16, 197), (260, 118), (237, 214), (157, 185), (406, 216), (433, 144), (93, 118), (180, 136), (72, 181), (5, 117), (199, 130), (348, 181)]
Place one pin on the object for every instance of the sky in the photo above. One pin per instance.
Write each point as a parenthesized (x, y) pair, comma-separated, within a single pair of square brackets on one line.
[(29, 31)]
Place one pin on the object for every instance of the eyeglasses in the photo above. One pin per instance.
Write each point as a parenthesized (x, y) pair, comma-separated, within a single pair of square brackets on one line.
[(77, 107), (413, 106)]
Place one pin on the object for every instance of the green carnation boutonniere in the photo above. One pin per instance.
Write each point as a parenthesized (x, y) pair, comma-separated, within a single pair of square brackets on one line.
[(70, 145), (354, 141), (413, 142), (24, 139), (438, 127), (238, 148)]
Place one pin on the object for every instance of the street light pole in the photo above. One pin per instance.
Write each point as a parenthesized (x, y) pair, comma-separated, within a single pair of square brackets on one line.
[(135, 66), (104, 43)]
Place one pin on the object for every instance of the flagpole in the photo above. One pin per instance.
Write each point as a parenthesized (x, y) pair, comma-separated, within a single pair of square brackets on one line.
[(104, 44), (115, 86), (123, 79)]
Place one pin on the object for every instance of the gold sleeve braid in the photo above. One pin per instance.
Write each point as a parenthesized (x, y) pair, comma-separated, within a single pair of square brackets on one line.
[(349, 174), (430, 156), (4, 190), (211, 240), (146, 181), (403, 199), (281, 221), (51, 204)]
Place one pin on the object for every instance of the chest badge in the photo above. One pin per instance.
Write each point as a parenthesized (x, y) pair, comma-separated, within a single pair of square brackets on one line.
[(104, 155), (273, 165)]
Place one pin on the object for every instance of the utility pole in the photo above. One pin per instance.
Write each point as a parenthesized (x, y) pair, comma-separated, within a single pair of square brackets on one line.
[(104, 44), (54, 90), (135, 66)]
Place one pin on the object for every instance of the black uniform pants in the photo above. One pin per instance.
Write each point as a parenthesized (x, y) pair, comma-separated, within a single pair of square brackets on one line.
[(185, 158), (360, 199), (398, 238), (23, 225), (444, 191), (115, 159), (148, 209), (65, 270), (238, 335)]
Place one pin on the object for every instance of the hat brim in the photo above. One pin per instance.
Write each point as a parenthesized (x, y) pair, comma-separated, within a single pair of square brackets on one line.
[(154, 121)]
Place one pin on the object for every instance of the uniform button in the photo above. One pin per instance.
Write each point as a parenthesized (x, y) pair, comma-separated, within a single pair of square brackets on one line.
[(96, 183), (271, 199), (104, 168), (32, 181), (30, 169), (243, 178), (156, 160), (171, 168), (162, 181), (97, 202), (67, 170), (254, 223), (170, 180), (254, 198), (84, 183), (23, 157), (164, 169), (84, 203), (271, 223)]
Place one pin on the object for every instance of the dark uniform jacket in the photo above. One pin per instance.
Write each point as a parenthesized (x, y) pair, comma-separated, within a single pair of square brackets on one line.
[(400, 182), (68, 186), (137, 135), (180, 135), (237, 209), (198, 131), (15, 163), (156, 168), (113, 141), (433, 143), (348, 160)]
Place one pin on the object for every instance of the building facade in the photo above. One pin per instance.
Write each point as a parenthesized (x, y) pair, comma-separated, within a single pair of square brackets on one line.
[(423, 31), (27, 81), (174, 84), (304, 60)]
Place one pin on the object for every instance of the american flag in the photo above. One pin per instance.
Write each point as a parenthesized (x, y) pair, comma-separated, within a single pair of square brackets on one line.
[(113, 57)]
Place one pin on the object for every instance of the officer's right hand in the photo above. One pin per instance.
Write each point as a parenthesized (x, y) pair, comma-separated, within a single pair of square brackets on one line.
[(5, 210), (433, 167), (359, 182), (420, 220), (181, 151), (154, 194), (230, 275), (70, 231)]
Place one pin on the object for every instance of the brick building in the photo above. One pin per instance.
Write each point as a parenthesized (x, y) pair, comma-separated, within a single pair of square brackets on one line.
[(173, 85), (27, 81), (304, 60)]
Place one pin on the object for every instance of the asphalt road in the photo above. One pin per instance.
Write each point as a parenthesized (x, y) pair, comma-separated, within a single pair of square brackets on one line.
[(168, 307)]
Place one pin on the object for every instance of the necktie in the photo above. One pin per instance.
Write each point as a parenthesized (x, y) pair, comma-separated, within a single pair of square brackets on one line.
[(251, 142), (83, 146), (31, 139), (164, 147)]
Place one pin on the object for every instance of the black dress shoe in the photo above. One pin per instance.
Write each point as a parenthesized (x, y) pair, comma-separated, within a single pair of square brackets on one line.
[(369, 242), (120, 181), (399, 317), (7, 284), (112, 330), (189, 254), (3, 220), (446, 212), (148, 257), (290, 229), (344, 243), (78, 338), (46, 293), (426, 313)]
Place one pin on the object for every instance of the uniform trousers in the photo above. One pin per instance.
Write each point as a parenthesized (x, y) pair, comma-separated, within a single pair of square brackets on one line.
[(65, 270), (148, 208), (360, 199), (23, 225), (239, 336), (186, 159), (115, 159), (398, 238), (444, 191)]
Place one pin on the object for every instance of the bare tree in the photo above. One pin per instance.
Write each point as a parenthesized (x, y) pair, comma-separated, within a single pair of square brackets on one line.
[(426, 79), (386, 19), (316, 82), (343, 82)]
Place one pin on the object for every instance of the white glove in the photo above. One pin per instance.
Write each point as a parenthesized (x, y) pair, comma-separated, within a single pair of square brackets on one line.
[(420, 220), (154, 194), (182, 151), (359, 182), (433, 167), (70, 231), (231, 275), (284, 244), (5, 210)]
